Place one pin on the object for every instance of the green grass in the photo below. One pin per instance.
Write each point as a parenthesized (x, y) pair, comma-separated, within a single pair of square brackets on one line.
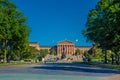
[(110, 66), (17, 63), (117, 67)]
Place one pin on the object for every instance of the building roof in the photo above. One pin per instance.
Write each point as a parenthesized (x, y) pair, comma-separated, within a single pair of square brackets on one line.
[(47, 46), (83, 46), (66, 41), (33, 43)]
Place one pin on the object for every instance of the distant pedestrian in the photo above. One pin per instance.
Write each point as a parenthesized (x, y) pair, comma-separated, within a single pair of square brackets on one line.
[(43, 60)]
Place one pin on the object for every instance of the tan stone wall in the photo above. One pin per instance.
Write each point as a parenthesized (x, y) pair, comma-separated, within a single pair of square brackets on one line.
[(68, 45), (83, 49), (47, 48), (36, 45)]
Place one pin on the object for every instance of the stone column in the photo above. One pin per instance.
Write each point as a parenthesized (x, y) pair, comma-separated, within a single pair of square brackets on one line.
[(67, 50), (58, 50), (61, 50), (72, 50)]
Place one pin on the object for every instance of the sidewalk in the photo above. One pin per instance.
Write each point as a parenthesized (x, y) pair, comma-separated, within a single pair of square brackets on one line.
[(115, 77)]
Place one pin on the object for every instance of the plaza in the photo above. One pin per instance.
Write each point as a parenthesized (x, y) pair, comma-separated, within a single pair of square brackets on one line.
[(55, 71), (72, 40)]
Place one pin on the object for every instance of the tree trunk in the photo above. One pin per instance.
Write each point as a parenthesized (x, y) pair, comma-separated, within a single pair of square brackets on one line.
[(105, 56), (117, 59), (5, 51), (112, 56), (9, 56)]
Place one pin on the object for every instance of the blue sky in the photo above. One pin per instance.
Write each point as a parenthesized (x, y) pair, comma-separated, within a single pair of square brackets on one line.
[(55, 20)]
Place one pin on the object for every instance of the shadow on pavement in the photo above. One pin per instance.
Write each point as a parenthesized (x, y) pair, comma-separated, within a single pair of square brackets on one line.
[(76, 67)]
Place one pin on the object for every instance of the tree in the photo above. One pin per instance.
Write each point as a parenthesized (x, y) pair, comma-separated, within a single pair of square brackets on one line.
[(43, 52), (97, 52), (87, 57), (53, 51), (103, 26), (13, 29), (77, 52), (30, 53)]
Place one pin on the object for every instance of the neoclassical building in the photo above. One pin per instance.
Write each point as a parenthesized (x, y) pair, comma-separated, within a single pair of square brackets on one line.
[(35, 44), (67, 47)]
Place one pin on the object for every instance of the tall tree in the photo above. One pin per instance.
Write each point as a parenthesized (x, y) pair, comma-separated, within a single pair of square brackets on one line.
[(103, 25), (13, 29), (53, 51), (31, 53), (77, 52), (43, 52)]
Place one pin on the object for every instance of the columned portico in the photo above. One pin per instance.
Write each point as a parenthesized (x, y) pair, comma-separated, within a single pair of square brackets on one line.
[(66, 47)]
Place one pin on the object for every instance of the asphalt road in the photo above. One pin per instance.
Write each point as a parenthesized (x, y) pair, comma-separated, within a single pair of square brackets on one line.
[(55, 71)]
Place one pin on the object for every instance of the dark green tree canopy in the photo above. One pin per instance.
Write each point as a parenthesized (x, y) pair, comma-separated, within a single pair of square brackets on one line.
[(14, 31), (103, 24)]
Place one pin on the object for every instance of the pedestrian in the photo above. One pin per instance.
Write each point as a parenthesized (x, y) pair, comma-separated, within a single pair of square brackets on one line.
[(43, 60)]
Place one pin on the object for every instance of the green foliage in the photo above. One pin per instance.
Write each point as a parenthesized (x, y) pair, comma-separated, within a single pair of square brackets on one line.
[(77, 52), (103, 25), (53, 51), (43, 52), (13, 29), (31, 53), (97, 53), (88, 56)]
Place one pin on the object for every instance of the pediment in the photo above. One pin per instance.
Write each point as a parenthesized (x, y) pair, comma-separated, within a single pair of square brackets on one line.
[(65, 42)]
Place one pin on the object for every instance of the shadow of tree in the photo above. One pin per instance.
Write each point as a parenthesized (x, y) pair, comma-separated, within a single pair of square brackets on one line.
[(76, 67)]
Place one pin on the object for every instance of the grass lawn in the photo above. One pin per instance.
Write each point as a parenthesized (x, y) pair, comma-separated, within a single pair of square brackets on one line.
[(17, 63), (110, 66), (117, 67)]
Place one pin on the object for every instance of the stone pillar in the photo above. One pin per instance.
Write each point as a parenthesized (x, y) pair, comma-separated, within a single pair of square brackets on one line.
[(59, 50), (72, 50), (67, 50)]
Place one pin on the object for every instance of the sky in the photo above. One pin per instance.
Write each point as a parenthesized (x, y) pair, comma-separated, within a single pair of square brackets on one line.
[(52, 21)]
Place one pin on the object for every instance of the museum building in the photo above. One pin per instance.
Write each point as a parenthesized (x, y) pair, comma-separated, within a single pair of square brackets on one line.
[(65, 46)]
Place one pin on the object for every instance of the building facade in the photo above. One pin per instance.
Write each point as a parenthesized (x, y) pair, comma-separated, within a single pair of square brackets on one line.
[(35, 44), (65, 47)]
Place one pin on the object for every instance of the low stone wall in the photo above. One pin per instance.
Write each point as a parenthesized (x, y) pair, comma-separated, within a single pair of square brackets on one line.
[(67, 59)]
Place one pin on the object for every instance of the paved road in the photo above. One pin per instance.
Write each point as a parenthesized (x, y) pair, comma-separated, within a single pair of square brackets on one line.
[(55, 71)]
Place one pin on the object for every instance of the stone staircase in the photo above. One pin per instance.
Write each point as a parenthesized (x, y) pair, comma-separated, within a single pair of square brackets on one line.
[(71, 59)]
